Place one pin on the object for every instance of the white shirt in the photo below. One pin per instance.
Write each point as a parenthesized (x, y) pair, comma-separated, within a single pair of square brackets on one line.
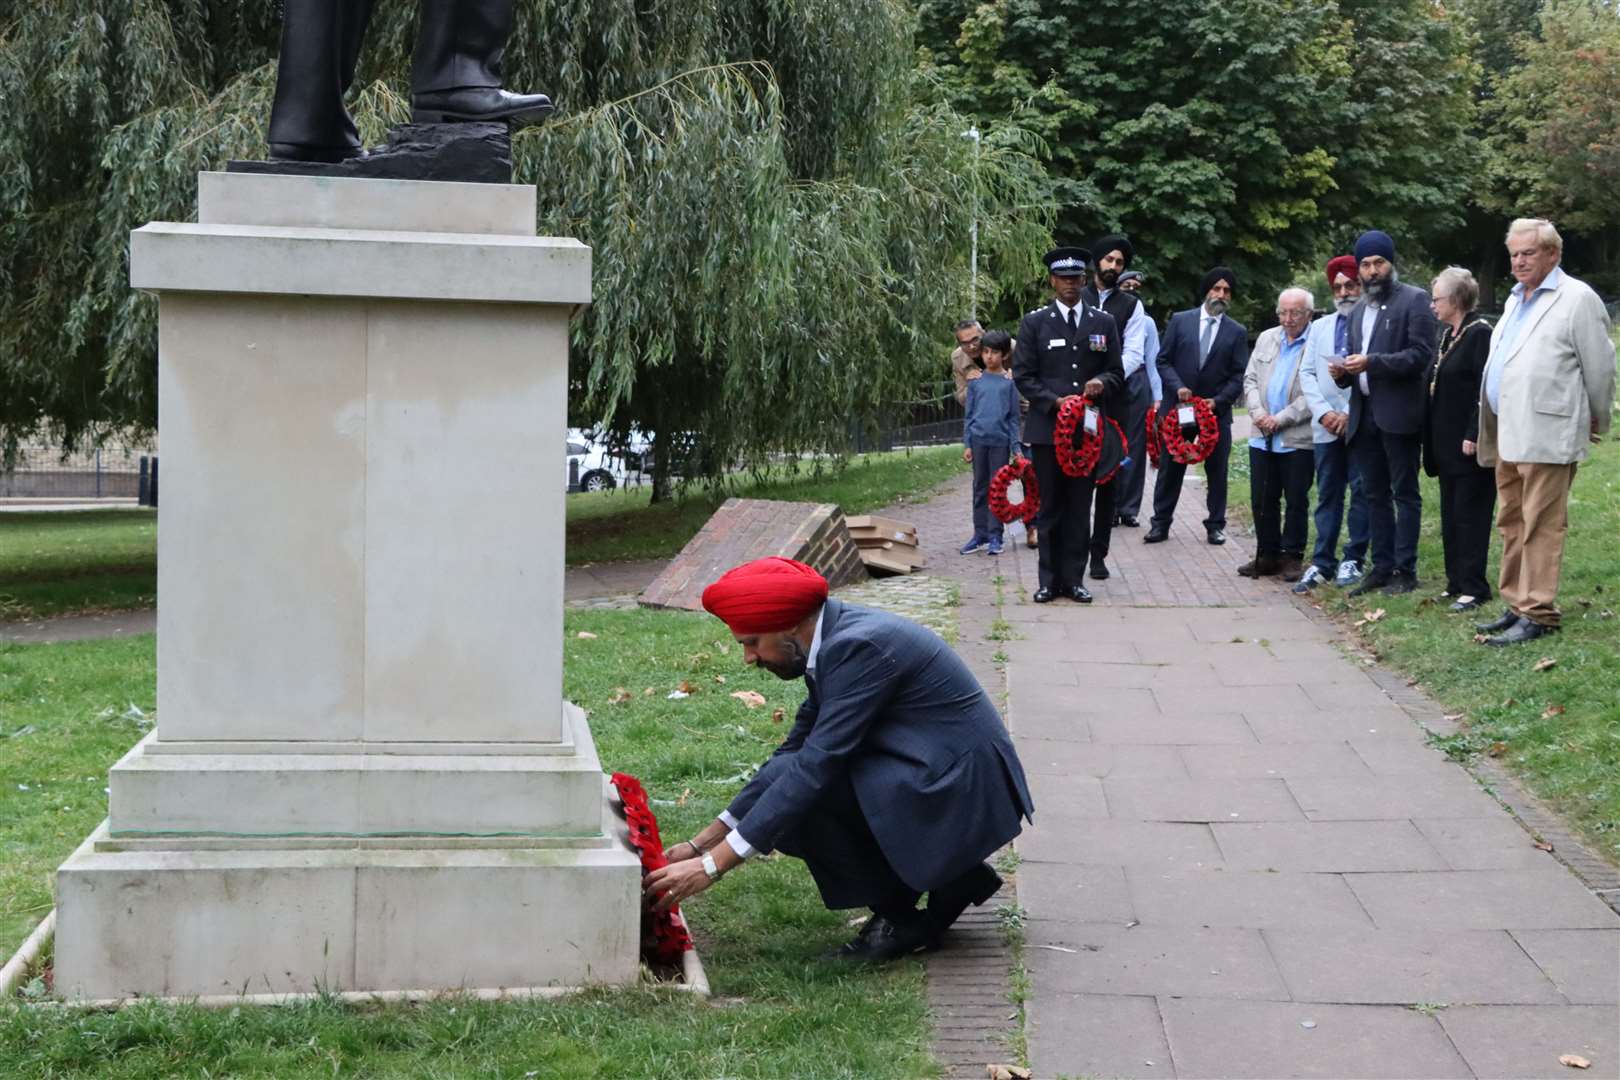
[(1204, 321), (1369, 322), (1133, 335), (1064, 310), (742, 847)]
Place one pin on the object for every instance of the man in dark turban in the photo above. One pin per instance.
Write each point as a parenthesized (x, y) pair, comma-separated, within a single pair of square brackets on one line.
[(897, 779)]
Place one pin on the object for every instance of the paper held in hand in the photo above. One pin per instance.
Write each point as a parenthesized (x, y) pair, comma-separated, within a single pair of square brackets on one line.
[(1091, 421), (1185, 415)]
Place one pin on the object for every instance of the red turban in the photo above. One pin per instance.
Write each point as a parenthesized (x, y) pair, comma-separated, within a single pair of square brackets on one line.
[(765, 596), (1341, 264)]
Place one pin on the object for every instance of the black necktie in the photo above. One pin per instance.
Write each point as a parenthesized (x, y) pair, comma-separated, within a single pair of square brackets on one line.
[(1074, 325)]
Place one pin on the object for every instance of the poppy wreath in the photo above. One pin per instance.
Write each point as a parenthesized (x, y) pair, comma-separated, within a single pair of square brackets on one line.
[(1075, 461), (1022, 470), (1153, 434), (1119, 431), (663, 934), (1209, 433)]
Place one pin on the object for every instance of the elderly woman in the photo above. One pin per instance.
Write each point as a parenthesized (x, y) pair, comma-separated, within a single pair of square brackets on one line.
[(1451, 427), (1281, 461)]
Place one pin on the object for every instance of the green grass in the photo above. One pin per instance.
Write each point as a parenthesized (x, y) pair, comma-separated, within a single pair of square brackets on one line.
[(1569, 758), (56, 563), (782, 1013)]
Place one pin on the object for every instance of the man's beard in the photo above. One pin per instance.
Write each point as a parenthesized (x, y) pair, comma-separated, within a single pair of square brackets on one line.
[(1107, 279), (794, 667), (1344, 304), (1215, 307), (1379, 288)]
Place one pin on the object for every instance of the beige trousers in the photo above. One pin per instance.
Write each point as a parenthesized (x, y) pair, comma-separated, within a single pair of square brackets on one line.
[(1532, 510)]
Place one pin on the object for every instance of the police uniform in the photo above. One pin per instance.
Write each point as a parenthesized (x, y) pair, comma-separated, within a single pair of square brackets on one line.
[(1054, 360)]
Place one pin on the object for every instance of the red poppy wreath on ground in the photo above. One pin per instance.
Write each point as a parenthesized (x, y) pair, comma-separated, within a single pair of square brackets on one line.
[(1209, 433), (663, 934), (1153, 435), (1022, 470)]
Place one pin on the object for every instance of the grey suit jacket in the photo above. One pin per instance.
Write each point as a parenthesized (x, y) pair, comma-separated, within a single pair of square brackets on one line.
[(895, 710)]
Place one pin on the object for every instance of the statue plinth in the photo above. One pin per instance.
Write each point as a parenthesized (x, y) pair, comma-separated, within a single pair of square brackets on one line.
[(363, 775)]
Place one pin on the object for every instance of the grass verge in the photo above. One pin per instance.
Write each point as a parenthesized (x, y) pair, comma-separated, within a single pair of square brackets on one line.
[(53, 562), (780, 1012), (1556, 727)]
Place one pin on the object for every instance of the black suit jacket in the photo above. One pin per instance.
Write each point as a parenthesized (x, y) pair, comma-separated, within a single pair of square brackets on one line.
[(895, 710), (1221, 378), (1398, 357), (1051, 364), (1453, 392)]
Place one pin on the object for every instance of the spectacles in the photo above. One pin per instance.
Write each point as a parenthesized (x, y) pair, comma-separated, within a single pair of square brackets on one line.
[(969, 343)]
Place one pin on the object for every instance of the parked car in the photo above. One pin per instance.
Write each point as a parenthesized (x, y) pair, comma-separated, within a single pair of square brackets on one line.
[(592, 465)]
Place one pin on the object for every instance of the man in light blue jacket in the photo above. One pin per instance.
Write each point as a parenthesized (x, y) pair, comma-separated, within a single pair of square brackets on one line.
[(1330, 422)]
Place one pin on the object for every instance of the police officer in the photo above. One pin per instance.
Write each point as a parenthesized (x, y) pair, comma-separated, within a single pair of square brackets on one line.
[(1067, 350)]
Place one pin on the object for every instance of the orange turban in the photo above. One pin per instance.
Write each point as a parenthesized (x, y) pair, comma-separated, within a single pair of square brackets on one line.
[(1342, 264), (765, 596)]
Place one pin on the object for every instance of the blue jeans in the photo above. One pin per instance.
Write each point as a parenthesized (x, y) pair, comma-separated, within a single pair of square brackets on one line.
[(1334, 472)]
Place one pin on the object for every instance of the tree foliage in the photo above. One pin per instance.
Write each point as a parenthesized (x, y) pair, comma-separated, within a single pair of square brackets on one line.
[(1258, 133), (779, 225)]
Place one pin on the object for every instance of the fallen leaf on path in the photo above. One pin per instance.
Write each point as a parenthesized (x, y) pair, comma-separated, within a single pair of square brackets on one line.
[(751, 698), (1574, 1061), (1542, 845), (721, 679), (619, 696), (586, 634), (1454, 717), (777, 716), (1551, 711), (1007, 1072), (1544, 663), (1497, 749), (685, 687)]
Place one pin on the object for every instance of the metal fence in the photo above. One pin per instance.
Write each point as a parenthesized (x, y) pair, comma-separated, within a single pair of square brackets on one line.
[(932, 418), (44, 472)]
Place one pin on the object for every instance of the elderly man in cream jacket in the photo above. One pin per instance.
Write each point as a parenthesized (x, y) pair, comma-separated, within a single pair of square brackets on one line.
[(1548, 391), (1281, 457)]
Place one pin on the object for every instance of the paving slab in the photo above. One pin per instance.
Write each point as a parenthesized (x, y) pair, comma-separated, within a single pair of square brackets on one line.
[(1242, 898), (1063, 758), (1175, 696), (1326, 846), (1273, 671), (1096, 1035), (1048, 723), (1067, 797), (1583, 964), (1180, 730), (1400, 757), (1036, 648), (1387, 722), (1063, 892), (1120, 843), (1454, 795), (1527, 1041), (1214, 1038), (1545, 898), (1407, 967), (1201, 800), (1265, 760), (1173, 961), (1495, 843)]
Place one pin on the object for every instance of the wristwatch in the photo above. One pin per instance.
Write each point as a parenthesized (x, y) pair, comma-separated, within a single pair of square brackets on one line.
[(710, 868)]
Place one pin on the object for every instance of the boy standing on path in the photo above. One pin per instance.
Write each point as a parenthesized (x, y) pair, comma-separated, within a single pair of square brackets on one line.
[(989, 434)]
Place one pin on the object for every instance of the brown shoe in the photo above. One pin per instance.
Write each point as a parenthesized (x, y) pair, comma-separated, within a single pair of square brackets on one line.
[(1030, 539), (1260, 566), (1292, 568)]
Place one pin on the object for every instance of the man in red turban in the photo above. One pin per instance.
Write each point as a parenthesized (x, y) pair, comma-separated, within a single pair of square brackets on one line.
[(897, 779)]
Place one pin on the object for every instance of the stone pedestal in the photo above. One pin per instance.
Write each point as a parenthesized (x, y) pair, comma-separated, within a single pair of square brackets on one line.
[(363, 775)]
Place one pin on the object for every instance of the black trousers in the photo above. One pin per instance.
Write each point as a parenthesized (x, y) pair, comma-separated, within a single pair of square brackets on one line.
[(1132, 477), (1467, 509), (988, 458), (1389, 477), (1273, 479), (849, 868), (1076, 520), (458, 43), (1167, 489)]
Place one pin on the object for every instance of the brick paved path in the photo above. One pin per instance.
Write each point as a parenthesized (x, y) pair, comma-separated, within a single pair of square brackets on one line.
[(1247, 862)]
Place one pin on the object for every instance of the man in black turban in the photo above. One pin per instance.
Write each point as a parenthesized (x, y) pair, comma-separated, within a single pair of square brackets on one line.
[(1114, 255)]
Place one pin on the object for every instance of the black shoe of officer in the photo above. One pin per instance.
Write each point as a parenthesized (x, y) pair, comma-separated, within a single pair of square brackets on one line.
[(1079, 595)]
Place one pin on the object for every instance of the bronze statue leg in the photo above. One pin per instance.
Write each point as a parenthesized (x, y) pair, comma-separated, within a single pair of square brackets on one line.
[(460, 43), (320, 42)]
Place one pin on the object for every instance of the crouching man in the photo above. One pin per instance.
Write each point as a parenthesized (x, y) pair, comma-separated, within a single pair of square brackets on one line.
[(897, 779)]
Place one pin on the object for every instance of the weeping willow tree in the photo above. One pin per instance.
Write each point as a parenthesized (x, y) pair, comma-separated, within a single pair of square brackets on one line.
[(779, 223)]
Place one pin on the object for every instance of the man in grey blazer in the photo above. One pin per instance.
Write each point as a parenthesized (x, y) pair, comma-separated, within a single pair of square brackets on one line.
[(1548, 392), (898, 777)]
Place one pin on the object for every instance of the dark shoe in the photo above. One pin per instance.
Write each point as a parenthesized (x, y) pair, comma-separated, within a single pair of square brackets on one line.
[(1216, 536), (946, 903), (1522, 631), (1079, 595), (1401, 583), (1099, 569), (1260, 566), (1509, 617), (1043, 595), (1157, 534), (1126, 521), (1371, 582), (325, 155), (973, 544), (476, 104), (1031, 538), (883, 939), (1465, 603), (1291, 568), (995, 545)]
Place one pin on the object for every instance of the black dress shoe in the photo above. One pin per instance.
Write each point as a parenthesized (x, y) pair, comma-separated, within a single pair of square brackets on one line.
[(883, 939), (1127, 521), (1401, 583), (1520, 632), (1216, 536), (1099, 569), (1509, 617), (324, 155), (1079, 595), (1044, 595), (474, 104), (1157, 535), (1373, 581), (946, 903)]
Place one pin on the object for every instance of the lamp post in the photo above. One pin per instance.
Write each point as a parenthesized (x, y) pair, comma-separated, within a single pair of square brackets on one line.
[(973, 263)]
